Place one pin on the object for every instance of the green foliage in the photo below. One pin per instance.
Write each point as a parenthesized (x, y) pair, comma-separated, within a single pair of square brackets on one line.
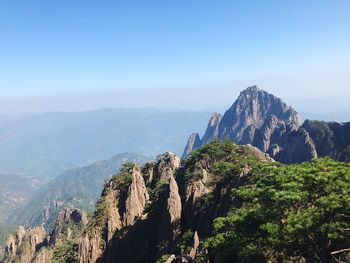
[(164, 258), (66, 253), (289, 212), (223, 158), (79, 188), (154, 194), (145, 171), (186, 242)]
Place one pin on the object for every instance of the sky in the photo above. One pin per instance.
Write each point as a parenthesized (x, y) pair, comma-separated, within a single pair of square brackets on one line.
[(80, 55)]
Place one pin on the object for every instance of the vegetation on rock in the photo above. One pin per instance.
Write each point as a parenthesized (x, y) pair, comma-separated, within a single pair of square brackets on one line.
[(226, 203), (288, 212)]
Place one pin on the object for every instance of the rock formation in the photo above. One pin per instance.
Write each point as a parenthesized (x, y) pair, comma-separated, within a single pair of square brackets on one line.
[(212, 132), (266, 122), (162, 212), (35, 246), (166, 166), (122, 202), (193, 143), (330, 138), (23, 244)]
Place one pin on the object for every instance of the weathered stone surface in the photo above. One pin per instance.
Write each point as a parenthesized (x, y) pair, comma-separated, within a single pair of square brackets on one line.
[(66, 219), (256, 108), (43, 256), (121, 211), (167, 165), (90, 247), (193, 251), (193, 143), (22, 246), (212, 131), (264, 121), (137, 198), (174, 201), (330, 138), (34, 245)]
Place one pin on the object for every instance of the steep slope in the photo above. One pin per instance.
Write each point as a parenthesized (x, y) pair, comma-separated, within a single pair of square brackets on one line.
[(36, 246), (78, 188), (15, 190), (122, 202), (168, 213), (263, 120), (330, 138), (255, 112), (193, 208), (224, 203)]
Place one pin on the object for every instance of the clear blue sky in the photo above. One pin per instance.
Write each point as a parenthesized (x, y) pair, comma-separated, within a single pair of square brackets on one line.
[(61, 49)]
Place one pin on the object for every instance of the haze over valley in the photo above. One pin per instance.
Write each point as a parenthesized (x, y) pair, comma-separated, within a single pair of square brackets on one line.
[(174, 131)]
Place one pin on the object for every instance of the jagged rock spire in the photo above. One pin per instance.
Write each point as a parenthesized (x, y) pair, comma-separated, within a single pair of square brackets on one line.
[(262, 120)]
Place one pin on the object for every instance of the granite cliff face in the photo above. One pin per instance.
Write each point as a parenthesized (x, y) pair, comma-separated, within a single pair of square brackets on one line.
[(158, 222), (144, 213), (330, 138), (165, 211), (34, 245), (21, 246), (123, 201), (256, 113), (266, 122)]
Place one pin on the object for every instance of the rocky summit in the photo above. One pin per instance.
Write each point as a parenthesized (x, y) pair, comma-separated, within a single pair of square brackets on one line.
[(266, 122)]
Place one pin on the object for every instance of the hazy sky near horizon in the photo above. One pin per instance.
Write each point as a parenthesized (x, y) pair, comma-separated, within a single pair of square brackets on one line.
[(79, 55)]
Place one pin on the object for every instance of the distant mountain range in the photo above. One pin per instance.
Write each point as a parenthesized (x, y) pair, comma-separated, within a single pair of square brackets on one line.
[(225, 202), (45, 145), (15, 191), (79, 188), (265, 121)]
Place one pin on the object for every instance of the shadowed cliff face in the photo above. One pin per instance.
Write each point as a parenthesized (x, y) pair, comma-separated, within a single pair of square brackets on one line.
[(330, 138), (166, 202), (123, 201), (265, 121)]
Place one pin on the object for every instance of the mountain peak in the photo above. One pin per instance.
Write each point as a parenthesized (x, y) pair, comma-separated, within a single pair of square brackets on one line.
[(257, 118), (251, 89)]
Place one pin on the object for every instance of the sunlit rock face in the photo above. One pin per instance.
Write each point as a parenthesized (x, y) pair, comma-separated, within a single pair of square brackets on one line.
[(262, 120)]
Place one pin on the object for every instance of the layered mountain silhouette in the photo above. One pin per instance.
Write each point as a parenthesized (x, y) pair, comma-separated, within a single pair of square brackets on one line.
[(78, 188), (171, 211), (266, 122), (224, 203)]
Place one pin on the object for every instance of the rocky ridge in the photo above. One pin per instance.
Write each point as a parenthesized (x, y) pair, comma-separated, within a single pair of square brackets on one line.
[(165, 211), (34, 245), (162, 211), (266, 122), (123, 200)]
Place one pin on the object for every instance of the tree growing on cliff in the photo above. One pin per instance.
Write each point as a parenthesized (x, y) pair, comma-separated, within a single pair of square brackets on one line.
[(289, 212)]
